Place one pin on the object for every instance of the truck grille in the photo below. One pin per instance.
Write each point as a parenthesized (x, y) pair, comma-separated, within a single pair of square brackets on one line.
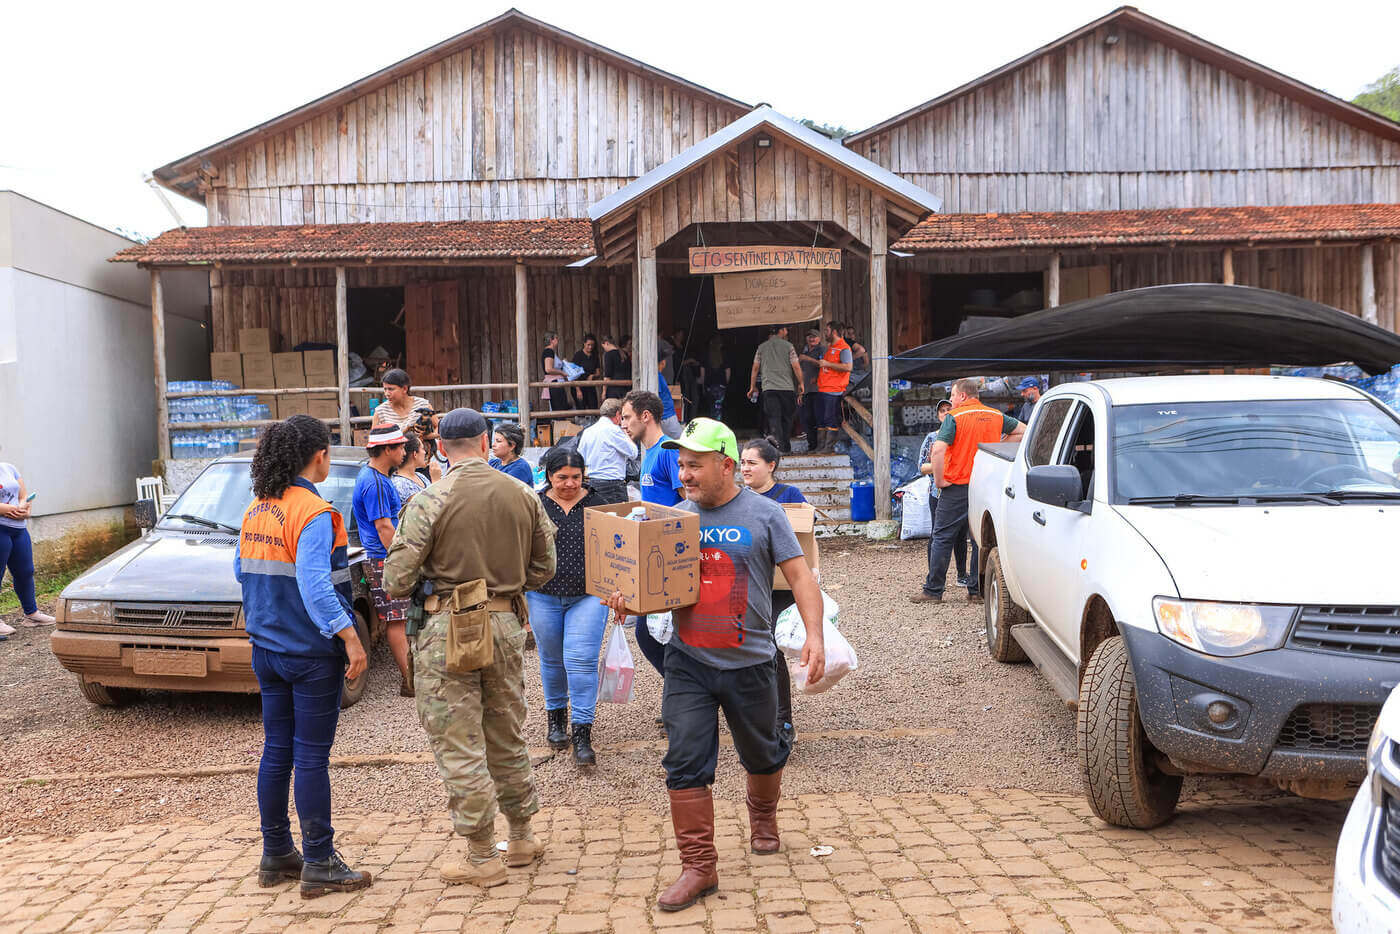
[(1388, 850), (1330, 727), (177, 617), (1371, 631)]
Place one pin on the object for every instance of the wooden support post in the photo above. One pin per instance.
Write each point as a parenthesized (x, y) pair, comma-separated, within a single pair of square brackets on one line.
[(879, 357), (1368, 283), (522, 347), (1052, 282), (644, 331), (1227, 266), (342, 356), (158, 358)]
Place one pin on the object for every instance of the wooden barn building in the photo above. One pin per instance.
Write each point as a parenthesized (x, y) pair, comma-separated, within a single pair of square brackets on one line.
[(516, 179)]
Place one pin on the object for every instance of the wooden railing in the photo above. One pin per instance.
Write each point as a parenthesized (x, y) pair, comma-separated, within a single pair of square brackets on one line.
[(853, 432)]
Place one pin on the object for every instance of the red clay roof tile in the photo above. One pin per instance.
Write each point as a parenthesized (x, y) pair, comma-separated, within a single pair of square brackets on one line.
[(554, 238), (1290, 223)]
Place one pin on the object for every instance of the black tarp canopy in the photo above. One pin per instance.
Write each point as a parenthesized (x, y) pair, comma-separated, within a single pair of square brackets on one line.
[(1165, 327)]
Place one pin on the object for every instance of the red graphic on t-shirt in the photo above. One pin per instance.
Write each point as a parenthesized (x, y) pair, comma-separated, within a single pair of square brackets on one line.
[(716, 621)]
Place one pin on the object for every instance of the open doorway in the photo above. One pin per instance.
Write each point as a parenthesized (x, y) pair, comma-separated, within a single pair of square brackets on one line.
[(693, 310), (375, 319)]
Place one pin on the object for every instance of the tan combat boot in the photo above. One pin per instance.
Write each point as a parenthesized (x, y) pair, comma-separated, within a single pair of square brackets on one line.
[(693, 818), (762, 799), (522, 849), (483, 866)]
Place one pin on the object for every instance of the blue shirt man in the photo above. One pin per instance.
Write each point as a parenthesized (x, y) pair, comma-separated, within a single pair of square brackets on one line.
[(376, 503)]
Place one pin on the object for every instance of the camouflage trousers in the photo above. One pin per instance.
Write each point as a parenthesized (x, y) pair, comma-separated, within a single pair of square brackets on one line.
[(475, 724)]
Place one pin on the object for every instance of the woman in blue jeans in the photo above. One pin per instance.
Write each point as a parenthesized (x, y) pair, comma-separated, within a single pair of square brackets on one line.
[(292, 565), (16, 551), (568, 624)]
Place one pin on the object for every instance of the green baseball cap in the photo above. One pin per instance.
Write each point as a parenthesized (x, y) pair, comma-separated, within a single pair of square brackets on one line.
[(706, 434)]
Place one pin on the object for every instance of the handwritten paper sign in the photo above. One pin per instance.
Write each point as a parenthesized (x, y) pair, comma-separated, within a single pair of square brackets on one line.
[(707, 259), (745, 299)]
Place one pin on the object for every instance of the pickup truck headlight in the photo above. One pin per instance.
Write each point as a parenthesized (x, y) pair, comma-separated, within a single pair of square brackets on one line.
[(1222, 628), (87, 611)]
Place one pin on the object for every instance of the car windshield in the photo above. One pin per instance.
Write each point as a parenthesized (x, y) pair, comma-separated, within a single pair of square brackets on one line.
[(219, 495), (1342, 449)]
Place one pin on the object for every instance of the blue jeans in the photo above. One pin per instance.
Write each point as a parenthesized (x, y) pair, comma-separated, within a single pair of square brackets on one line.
[(568, 636), (17, 554), (300, 707)]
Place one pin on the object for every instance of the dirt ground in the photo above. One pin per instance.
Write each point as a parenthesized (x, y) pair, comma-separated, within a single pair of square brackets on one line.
[(927, 711)]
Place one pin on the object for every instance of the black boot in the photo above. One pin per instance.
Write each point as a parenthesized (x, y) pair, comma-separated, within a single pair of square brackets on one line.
[(275, 869), (558, 737), (583, 746), (324, 876)]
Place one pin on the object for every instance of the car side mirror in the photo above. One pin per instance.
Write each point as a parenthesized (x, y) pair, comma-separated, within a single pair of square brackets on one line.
[(145, 510), (1056, 485)]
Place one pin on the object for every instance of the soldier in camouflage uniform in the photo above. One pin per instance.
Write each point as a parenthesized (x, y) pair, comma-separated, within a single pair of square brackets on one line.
[(475, 523)]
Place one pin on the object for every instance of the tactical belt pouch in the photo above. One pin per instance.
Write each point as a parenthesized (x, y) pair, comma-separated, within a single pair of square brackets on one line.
[(470, 640)]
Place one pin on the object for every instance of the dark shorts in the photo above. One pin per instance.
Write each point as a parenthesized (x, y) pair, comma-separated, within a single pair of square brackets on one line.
[(389, 610), (829, 409)]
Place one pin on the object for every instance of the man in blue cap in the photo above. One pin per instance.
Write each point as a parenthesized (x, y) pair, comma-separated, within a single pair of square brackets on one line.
[(1030, 394)]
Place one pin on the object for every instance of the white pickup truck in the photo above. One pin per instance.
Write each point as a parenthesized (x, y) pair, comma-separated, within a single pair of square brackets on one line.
[(1204, 567)]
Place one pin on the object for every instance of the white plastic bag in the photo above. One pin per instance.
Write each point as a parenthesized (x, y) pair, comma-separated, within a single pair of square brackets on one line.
[(791, 635), (840, 661), (572, 371), (661, 626), (617, 670), (916, 520)]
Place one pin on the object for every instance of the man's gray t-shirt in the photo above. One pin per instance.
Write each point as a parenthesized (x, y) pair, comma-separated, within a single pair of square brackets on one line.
[(740, 543), (775, 359)]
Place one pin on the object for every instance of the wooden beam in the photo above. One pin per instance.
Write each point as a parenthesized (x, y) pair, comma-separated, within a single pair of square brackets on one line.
[(644, 330), (860, 441), (1052, 282), (522, 347), (158, 353), (1368, 283), (1227, 266), (342, 354), (880, 380)]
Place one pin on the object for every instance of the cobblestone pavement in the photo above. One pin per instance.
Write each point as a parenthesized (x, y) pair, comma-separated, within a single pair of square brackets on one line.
[(994, 860)]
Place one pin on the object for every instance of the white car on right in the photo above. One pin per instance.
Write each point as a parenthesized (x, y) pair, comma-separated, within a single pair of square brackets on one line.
[(1366, 883)]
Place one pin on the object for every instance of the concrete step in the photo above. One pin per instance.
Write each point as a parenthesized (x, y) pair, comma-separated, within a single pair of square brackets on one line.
[(840, 528), (815, 460), (817, 475)]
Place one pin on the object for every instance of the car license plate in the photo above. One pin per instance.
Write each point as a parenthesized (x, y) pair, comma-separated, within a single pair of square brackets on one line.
[(165, 662)]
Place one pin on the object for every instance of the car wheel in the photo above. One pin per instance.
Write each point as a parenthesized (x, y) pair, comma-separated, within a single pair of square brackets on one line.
[(104, 696), (355, 689), (1000, 614), (1124, 785)]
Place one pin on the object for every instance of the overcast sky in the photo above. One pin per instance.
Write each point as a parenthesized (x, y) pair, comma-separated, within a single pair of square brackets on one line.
[(95, 96)]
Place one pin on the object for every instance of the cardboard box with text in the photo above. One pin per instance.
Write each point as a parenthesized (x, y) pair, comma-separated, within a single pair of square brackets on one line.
[(803, 518), (287, 370), (287, 406), (227, 366), (654, 563), (322, 405), (319, 366), (257, 371), (255, 340)]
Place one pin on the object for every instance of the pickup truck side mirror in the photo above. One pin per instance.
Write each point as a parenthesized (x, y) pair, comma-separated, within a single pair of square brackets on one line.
[(145, 510), (1056, 485)]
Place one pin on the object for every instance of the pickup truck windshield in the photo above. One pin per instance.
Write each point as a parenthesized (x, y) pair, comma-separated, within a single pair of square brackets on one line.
[(1241, 451), (218, 497)]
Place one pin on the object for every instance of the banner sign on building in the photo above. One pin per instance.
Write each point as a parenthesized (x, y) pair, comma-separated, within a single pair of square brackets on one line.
[(718, 259), (767, 298)]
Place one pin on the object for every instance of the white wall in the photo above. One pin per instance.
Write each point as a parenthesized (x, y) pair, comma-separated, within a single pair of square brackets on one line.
[(76, 377)]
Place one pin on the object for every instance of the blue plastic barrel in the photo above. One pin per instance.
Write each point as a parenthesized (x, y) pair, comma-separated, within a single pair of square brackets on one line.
[(862, 501)]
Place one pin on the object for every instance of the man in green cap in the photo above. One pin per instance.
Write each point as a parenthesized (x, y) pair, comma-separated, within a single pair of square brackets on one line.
[(721, 656)]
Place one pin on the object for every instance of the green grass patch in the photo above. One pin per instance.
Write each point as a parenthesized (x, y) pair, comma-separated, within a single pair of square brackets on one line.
[(46, 587)]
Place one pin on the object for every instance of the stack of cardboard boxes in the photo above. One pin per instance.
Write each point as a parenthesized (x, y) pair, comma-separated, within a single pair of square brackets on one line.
[(258, 366)]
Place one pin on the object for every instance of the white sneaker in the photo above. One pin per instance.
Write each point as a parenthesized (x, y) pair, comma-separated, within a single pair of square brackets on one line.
[(6, 629), (36, 619)]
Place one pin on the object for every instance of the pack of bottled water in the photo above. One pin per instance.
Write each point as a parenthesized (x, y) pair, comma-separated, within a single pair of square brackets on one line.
[(189, 444)]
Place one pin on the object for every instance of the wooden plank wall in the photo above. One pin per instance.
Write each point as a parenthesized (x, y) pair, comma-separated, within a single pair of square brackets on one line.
[(516, 126), (1136, 124), (299, 305)]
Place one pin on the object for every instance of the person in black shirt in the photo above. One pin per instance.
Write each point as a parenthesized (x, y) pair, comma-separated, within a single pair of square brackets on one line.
[(592, 363), (550, 363), (615, 366), (568, 624)]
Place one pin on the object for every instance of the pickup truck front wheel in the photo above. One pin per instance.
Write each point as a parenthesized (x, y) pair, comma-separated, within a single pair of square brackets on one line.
[(1121, 777), (1000, 614), (354, 690)]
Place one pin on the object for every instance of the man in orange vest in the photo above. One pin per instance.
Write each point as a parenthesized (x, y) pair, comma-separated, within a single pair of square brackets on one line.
[(833, 376), (969, 424)]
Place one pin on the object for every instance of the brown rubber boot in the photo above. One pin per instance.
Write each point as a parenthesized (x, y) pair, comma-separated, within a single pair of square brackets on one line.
[(764, 791), (693, 817)]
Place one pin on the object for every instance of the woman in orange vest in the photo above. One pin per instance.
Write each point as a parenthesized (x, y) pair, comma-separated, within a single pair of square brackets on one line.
[(292, 564)]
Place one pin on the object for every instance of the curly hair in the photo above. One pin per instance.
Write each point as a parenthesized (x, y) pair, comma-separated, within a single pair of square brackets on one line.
[(284, 451)]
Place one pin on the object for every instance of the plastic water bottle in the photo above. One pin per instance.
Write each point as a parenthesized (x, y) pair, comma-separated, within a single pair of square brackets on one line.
[(638, 514)]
